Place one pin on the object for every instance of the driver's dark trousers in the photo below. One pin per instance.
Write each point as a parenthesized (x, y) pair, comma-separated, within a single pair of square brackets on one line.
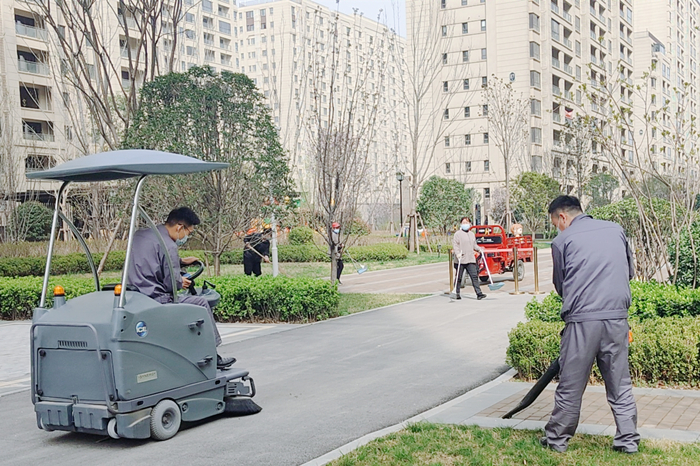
[(197, 301), (605, 342)]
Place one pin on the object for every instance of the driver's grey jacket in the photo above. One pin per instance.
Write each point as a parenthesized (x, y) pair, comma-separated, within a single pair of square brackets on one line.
[(593, 266), (149, 271)]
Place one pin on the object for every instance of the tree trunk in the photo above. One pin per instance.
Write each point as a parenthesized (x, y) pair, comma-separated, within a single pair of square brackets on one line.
[(217, 262), (108, 249), (334, 268)]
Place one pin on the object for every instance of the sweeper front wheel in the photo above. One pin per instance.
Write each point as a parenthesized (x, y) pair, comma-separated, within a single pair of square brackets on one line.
[(165, 420)]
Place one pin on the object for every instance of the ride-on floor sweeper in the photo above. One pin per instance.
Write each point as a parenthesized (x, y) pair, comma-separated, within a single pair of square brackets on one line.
[(115, 361)]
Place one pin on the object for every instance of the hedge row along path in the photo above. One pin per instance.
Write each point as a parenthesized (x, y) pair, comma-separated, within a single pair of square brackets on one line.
[(434, 278)]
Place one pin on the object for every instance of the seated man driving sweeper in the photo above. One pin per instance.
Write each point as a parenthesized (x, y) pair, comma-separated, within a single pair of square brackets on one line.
[(149, 271)]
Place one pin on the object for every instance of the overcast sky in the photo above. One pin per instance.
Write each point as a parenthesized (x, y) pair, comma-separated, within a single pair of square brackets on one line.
[(393, 14)]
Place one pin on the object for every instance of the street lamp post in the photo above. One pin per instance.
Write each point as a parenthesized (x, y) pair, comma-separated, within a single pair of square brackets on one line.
[(399, 178)]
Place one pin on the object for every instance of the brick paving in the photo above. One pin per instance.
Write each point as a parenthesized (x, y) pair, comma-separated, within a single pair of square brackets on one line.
[(657, 408)]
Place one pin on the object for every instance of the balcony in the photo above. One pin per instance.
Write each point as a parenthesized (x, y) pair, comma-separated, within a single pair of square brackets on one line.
[(556, 63), (127, 22), (556, 90), (33, 67), (209, 42), (556, 117), (567, 42), (555, 8), (568, 69), (31, 31), (225, 46), (32, 136), (567, 16)]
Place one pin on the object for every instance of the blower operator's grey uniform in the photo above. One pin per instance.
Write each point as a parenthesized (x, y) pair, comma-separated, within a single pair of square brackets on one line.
[(150, 274), (593, 265)]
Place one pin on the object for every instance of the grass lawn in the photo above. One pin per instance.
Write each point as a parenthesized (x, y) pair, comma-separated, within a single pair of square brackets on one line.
[(358, 302), (434, 444)]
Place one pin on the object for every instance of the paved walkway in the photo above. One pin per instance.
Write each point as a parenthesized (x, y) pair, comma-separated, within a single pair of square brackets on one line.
[(434, 278)]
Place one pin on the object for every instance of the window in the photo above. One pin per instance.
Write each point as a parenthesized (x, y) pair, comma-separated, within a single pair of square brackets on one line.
[(483, 54), (484, 81), (536, 135), (535, 50), (444, 59), (467, 112), (483, 24), (465, 55), (447, 166), (486, 138), (578, 49), (534, 22), (487, 193), (444, 31), (578, 24), (535, 107), (189, 17), (468, 167), (224, 27), (189, 33), (465, 28), (653, 83), (485, 110), (535, 79), (464, 2), (486, 165), (468, 142), (447, 141), (445, 86), (446, 114), (443, 3)]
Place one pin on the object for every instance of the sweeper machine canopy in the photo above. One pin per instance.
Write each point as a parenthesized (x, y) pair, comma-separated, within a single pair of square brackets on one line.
[(115, 361)]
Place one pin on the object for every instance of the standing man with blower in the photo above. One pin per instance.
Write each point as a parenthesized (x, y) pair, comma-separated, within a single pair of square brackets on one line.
[(464, 246), (593, 266)]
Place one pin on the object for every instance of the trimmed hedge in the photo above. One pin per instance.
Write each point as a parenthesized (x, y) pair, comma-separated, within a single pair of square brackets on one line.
[(301, 235), (77, 263), (649, 300), (242, 297), (664, 350), (665, 324), (278, 299)]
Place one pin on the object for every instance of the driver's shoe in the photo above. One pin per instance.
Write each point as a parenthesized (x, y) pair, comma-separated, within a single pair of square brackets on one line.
[(224, 363)]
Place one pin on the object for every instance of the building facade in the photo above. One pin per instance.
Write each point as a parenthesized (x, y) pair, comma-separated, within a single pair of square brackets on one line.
[(557, 54), (300, 55)]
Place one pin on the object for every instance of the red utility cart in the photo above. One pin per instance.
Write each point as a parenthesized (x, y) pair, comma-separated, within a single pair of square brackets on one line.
[(498, 248)]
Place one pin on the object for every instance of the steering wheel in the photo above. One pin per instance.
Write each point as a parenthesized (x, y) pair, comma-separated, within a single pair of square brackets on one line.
[(196, 273)]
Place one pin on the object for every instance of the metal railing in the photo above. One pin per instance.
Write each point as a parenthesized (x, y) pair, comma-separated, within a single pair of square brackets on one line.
[(33, 67), (32, 136), (31, 31)]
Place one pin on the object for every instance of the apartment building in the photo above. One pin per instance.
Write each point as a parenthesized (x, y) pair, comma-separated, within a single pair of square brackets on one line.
[(666, 68), (546, 50), (277, 43)]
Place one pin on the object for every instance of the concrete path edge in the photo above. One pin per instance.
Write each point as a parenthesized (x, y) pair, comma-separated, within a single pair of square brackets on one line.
[(365, 439)]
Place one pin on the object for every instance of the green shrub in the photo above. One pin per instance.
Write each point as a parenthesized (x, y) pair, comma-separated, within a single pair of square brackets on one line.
[(649, 300), (77, 263), (19, 296), (31, 221), (533, 346), (301, 235), (378, 252), (278, 299), (546, 311), (663, 351), (242, 297)]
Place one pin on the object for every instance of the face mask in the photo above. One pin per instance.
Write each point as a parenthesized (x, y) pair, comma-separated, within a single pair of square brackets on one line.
[(182, 241), (336, 231), (466, 226)]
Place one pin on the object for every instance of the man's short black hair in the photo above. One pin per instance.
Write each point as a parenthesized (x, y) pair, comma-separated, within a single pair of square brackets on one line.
[(566, 204), (183, 215), (465, 218)]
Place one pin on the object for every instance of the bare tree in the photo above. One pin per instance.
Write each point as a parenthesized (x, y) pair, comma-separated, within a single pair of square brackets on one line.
[(577, 137), (93, 49), (342, 122), (508, 117), (665, 155), (431, 108)]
